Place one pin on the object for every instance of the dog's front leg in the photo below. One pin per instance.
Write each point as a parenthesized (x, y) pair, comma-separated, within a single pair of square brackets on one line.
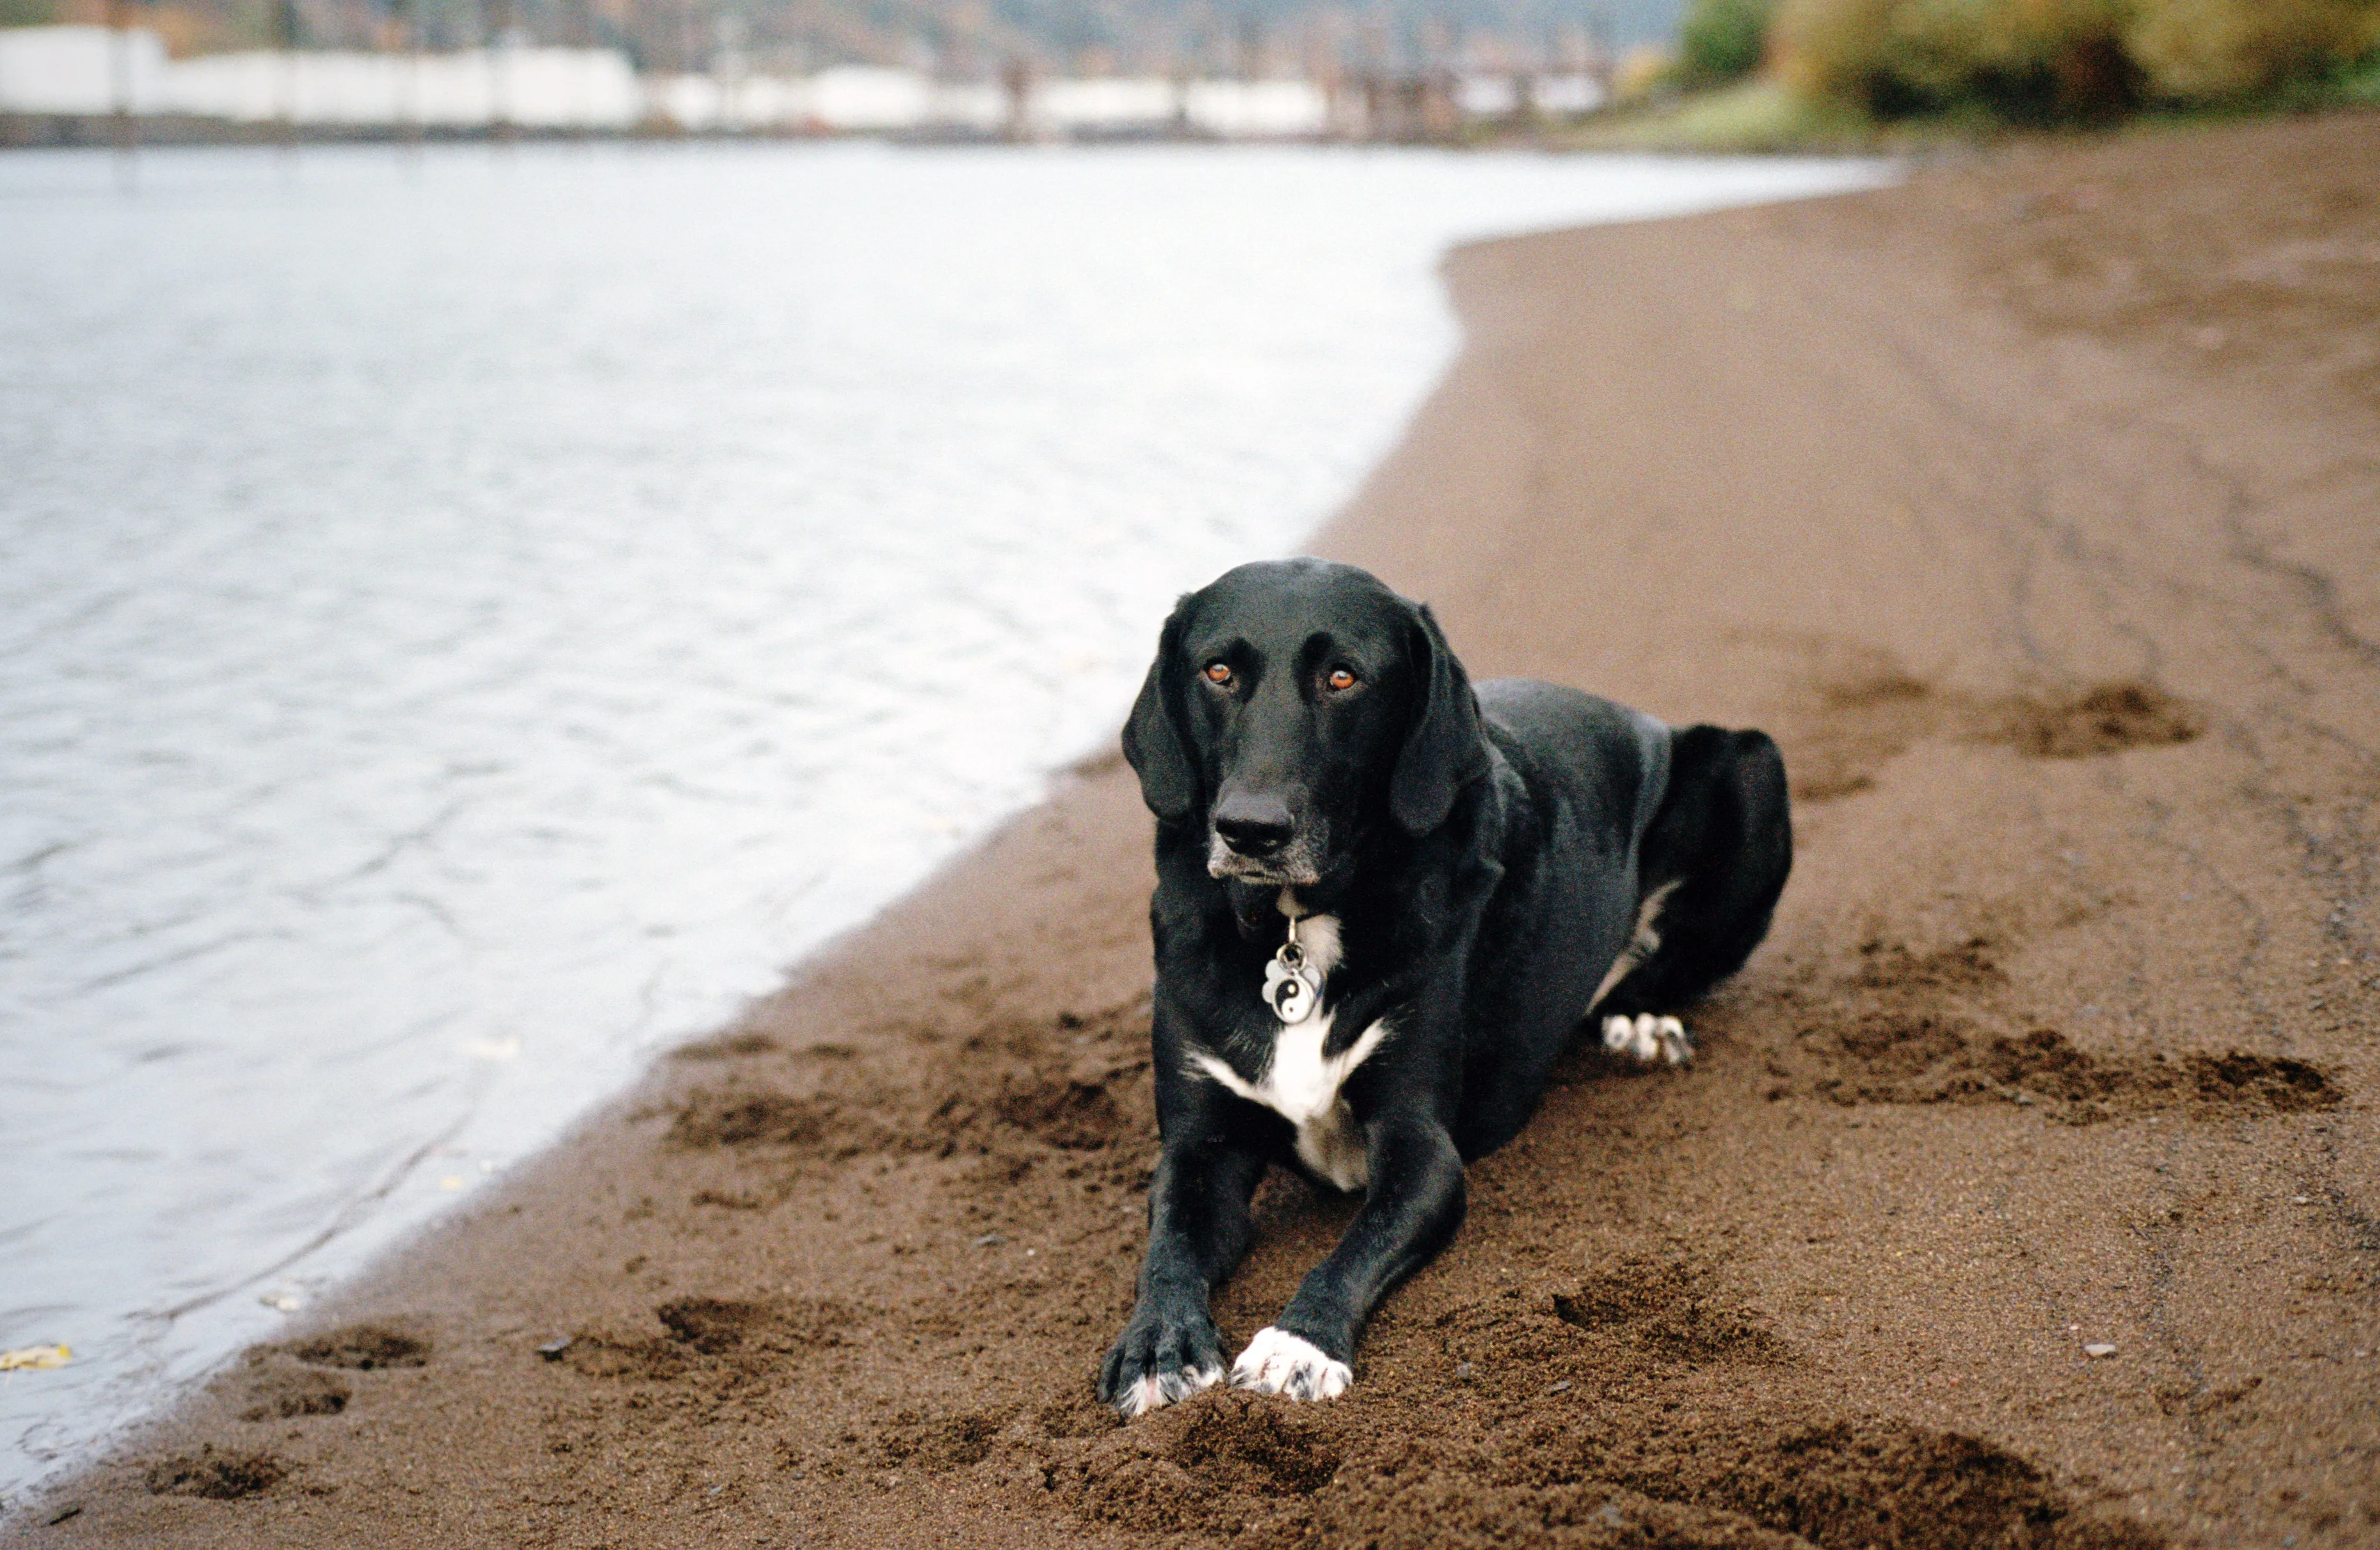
[(1197, 1230), (1413, 1209)]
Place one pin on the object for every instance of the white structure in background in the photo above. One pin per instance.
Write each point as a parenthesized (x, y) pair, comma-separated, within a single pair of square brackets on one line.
[(854, 99), (847, 99), (1501, 96), (89, 69), (76, 70), (81, 69), (1487, 96), (1104, 106), (1569, 96), (1228, 109), (976, 107), (535, 88), (1257, 109)]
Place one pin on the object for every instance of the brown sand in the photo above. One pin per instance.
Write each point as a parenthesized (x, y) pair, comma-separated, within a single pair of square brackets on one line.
[(2033, 507)]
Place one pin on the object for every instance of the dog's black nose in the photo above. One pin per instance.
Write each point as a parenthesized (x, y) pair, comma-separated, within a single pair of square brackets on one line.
[(1253, 826)]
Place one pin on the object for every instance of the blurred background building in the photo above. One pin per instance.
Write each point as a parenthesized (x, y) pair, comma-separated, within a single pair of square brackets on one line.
[(1400, 69)]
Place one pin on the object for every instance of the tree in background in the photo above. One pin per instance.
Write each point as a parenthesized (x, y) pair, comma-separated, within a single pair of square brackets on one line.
[(2228, 50), (2045, 61), (1722, 40), (2030, 61)]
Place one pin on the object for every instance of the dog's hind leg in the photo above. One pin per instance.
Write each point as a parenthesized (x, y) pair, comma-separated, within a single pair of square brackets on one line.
[(1713, 863), (1644, 1038), (1648, 1040)]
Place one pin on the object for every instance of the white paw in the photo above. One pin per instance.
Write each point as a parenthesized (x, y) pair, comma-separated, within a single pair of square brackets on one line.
[(1278, 1363), (1645, 1039), (1161, 1389)]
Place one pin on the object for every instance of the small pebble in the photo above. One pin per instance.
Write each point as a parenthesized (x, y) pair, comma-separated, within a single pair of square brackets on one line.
[(991, 1240), (1561, 1386), (1463, 1371), (551, 1350), (2301, 1200), (2098, 1348)]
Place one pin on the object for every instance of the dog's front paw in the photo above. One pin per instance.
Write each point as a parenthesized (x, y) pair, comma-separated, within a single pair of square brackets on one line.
[(1161, 1358), (1645, 1039), (1278, 1363)]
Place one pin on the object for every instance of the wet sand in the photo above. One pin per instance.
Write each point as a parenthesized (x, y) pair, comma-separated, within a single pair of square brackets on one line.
[(2031, 505)]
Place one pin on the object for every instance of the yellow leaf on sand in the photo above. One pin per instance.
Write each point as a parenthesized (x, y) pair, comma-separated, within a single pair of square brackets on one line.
[(35, 1356)]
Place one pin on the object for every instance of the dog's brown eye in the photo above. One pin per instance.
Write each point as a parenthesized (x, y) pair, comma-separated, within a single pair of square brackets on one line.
[(1219, 673), (1341, 678)]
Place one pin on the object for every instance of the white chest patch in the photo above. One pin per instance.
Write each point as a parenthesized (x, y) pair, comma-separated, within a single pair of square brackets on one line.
[(1301, 1084)]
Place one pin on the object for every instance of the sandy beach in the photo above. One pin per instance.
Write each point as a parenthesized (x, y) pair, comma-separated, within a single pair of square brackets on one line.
[(2030, 506)]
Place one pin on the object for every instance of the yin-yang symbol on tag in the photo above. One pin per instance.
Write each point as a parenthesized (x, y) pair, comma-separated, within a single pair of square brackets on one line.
[(1289, 991)]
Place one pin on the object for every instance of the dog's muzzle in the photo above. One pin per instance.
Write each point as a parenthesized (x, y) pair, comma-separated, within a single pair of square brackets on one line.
[(1258, 839)]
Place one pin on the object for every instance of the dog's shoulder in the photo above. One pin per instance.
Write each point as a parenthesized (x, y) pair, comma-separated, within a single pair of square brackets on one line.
[(1579, 750)]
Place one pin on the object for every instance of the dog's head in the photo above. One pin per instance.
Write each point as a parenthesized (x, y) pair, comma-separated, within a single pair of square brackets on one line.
[(1291, 706)]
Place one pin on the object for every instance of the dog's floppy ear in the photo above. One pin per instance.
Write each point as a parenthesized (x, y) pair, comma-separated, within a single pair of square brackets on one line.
[(1445, 748), (1152, 737)]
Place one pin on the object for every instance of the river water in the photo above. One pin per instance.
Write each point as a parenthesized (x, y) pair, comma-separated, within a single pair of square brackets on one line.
[(466, 622)]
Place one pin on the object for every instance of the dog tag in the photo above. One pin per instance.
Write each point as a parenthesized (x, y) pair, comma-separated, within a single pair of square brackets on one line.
[(1292, 988)]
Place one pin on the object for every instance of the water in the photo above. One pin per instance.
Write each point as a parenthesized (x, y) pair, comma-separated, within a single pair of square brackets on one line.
[(465, 624)]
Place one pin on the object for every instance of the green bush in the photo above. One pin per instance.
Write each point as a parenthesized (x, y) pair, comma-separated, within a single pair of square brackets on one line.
[(1722, 40), (2053, 60), (2027, 60), (2361, 84)]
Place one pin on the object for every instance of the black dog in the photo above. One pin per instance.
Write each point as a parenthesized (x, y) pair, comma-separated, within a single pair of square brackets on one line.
[(1384, 902)]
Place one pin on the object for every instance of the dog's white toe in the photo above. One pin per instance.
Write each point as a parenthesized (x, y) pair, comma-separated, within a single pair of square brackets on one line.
[(1645, 1039), (1278, 1363), (1161, 1389)]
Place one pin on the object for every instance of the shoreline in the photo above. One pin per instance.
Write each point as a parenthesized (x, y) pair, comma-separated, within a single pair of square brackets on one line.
[(2053, 1042), (689, 882)]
